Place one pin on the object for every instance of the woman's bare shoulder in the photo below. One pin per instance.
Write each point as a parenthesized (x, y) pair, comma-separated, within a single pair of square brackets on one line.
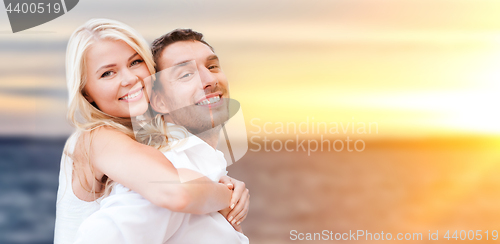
[(105, 134), (108, 139), (104, 137), (112, 149)]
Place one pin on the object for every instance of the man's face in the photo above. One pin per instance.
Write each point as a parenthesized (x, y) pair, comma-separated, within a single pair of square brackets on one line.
[(194, 88)]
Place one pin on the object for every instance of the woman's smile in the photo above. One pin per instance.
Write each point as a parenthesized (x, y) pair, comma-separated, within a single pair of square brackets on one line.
[(132, 96)]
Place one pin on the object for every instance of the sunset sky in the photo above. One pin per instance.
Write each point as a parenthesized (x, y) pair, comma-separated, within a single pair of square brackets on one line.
[(416, 67)]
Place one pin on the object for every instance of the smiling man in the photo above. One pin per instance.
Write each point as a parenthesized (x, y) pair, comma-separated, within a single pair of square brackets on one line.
[(192, 90)]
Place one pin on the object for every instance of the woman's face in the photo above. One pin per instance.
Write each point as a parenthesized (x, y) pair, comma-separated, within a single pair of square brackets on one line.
[(118, 80)]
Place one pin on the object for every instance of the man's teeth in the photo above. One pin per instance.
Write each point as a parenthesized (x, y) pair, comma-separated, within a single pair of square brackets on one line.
[(132, 95), (209, 101)]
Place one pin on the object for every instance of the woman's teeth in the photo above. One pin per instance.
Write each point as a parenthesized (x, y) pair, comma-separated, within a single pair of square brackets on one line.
[(209, 101), (135, 94)]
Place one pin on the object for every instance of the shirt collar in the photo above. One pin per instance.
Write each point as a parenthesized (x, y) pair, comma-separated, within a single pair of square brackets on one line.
[(180, 139)]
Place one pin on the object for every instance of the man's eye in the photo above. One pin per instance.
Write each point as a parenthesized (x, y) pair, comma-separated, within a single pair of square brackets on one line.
[(186, 75), (106, 74), (213, 67), (136, 62)]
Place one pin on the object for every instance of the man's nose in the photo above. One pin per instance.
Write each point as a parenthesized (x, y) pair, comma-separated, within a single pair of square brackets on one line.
[(128, 77), (208, 79)]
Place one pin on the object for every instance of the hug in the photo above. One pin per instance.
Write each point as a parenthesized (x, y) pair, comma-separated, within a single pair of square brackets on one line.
[(142, 166)]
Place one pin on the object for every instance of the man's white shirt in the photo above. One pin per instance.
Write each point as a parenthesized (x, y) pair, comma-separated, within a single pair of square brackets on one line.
[(127, 217)]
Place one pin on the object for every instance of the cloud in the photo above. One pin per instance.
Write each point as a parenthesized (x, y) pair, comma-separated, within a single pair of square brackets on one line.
[(33, 46), (38, 92)]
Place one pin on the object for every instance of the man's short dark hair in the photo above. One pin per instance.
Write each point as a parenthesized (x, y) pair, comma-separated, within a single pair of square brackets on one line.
[(174, 36)]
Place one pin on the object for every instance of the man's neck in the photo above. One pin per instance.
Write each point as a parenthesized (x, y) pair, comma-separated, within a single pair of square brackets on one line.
[(211, 136)]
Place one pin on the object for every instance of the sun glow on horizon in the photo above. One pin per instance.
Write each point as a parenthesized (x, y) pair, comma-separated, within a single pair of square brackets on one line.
[(371, 61)]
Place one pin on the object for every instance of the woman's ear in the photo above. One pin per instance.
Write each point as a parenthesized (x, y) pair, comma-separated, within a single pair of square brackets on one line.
[(158, 104)]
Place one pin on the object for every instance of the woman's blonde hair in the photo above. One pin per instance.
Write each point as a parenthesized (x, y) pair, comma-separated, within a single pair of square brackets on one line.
[(82, 114), (161, 136)]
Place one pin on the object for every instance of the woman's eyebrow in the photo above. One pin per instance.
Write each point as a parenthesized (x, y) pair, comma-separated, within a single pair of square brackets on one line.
[(131, 57), (105, 67)]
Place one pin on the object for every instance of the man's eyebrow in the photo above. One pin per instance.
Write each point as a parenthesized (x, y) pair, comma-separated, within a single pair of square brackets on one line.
[(212, 57), (178, 65), (181, 63), (112, 65), (184, 62)]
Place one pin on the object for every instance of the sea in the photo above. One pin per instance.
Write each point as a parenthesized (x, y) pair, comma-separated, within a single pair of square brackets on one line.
[(29, 171), (393, 186)]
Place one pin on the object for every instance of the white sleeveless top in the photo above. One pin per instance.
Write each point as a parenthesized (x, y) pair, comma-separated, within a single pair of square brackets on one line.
[(70, 210)]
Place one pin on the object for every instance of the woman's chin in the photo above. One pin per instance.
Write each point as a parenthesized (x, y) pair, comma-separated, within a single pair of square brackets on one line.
[(138, 107), (138, 110)]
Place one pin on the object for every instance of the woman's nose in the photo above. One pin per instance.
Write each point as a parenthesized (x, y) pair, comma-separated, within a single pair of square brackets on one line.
[(129, 78)]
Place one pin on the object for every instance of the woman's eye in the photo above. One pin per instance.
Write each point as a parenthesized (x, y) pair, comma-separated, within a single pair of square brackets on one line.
[(106, 74), (136, 62)]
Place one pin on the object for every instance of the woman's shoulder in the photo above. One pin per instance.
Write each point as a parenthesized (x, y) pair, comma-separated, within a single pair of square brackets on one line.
[(107, 133), (71, 142), (107, 137), (97, 138), (108, 145)]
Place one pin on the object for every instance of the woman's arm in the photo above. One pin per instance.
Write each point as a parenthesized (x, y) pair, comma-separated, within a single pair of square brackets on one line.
[(240, 200), (148, 172)]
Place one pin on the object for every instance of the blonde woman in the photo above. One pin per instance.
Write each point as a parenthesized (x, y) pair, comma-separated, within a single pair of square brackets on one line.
[(108, 69)]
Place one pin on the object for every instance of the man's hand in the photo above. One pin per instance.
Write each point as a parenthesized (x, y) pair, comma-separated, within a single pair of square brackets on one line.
[(240, 200)]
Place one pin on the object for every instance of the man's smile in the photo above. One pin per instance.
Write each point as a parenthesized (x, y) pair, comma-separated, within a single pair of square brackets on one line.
[(210, 99)]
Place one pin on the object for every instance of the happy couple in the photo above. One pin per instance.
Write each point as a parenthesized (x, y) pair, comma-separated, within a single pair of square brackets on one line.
[(113, 189)]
